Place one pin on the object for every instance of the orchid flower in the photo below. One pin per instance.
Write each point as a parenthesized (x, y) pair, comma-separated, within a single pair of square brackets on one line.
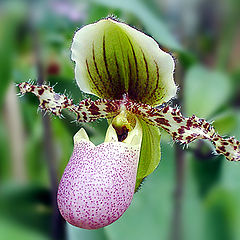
[(133, 79)]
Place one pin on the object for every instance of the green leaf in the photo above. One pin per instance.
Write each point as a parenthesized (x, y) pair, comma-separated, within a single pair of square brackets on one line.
[(225, 122), (150, 151), (207, 173), (75, 233), (221, 214), (205, 91), (27, 209), (96, 12), (12, 230)]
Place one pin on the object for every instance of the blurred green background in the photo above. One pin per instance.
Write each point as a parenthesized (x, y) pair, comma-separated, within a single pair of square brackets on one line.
[(193, 194)]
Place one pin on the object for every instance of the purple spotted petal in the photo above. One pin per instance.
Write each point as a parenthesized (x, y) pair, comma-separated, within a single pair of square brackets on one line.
[(98, 183)]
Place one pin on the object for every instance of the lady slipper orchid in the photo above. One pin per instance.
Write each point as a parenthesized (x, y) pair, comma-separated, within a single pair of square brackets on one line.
[(133, 79)]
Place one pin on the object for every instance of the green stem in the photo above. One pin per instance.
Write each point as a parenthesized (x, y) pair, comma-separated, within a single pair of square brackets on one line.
[(176, 233), (58, 223)]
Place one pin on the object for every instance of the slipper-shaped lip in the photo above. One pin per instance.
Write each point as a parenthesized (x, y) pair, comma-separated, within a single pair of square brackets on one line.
[(98, 183)]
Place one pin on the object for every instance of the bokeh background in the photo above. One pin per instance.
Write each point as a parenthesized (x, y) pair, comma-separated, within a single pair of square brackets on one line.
[(193, 194)]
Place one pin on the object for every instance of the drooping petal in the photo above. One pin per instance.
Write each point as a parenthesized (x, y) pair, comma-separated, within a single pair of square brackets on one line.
[(86, 111), (186, 129), (99, 181), (113, 59), (182, 129)]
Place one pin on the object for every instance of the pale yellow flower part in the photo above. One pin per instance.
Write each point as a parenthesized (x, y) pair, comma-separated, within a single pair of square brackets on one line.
[(115, 60)]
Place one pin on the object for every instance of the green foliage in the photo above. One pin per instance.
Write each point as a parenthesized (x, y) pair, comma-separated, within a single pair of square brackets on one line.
[(25, 212), (220, 206), (206, 89), (150, 21), (78, 233), (225, 122), (206, 172)]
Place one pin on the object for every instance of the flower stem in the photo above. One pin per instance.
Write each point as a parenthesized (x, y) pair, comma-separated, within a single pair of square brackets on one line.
[(57, 224), (176, 233), (57, 220), (177, 225)]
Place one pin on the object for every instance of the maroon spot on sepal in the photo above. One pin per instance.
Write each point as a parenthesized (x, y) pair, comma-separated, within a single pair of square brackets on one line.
[(181, 130), (189, 124), (163, 121), (222, 148), (94, 109), (40, 91), (165, 110), (177, 119)]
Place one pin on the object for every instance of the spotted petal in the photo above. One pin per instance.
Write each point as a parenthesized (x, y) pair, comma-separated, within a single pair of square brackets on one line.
[(98, 183), (113, 59), (182, 129)]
